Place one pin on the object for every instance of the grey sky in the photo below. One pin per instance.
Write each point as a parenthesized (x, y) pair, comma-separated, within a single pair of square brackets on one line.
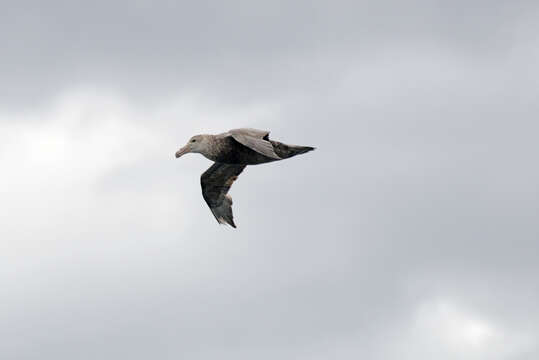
[(411, 233)]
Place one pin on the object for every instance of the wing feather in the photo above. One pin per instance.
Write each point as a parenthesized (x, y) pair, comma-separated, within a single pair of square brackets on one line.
[(262, 134), (256, 140), (216, 182)]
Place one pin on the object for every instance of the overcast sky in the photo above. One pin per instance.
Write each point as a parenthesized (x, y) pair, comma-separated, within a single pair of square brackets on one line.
[(410, 233)]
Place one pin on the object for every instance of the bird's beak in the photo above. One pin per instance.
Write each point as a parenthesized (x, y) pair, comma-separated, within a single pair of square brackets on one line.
[(184, 150)]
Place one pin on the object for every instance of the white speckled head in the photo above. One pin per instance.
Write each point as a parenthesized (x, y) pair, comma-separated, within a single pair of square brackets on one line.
[(197, 144)]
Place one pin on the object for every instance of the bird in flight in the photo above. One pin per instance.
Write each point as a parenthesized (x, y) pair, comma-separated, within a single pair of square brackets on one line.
[(232, 152)]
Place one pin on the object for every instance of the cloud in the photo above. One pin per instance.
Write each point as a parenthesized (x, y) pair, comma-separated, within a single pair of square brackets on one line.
[(443, 330), (410, 232)]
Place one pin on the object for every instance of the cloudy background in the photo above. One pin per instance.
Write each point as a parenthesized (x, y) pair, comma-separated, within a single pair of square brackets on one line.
[(410, 233)]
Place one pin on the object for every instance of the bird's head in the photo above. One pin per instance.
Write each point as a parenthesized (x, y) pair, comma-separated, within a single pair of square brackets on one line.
[(197, 144)]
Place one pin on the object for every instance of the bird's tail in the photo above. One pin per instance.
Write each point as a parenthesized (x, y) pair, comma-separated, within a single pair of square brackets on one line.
[(285, 151)]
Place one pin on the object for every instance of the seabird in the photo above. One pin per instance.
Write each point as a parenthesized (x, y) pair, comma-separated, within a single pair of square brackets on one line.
[(232, 152)]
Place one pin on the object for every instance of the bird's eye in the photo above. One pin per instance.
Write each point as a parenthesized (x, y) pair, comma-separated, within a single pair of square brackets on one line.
[(194, 140)]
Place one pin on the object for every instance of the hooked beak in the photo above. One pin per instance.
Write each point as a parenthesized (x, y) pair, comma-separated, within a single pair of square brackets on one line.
[(184, 150)]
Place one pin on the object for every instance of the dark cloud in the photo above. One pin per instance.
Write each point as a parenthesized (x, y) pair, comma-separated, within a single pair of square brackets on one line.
[(410, 232)]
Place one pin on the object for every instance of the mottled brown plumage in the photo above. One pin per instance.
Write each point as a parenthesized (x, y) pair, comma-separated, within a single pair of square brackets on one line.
[(232, 152)]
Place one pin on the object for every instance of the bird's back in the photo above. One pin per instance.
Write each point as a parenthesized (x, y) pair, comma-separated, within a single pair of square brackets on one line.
[(232, 152)]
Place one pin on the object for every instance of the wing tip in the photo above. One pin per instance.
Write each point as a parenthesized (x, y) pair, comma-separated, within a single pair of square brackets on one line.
[(223, 221)]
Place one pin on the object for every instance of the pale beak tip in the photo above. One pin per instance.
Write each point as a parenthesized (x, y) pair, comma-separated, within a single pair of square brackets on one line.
[(181, 152)]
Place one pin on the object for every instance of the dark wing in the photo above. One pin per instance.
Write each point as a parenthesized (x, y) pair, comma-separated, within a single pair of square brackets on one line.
[(257, 140), (216, 181)]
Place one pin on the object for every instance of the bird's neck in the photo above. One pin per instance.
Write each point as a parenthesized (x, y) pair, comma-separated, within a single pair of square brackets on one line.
[(212, 147)]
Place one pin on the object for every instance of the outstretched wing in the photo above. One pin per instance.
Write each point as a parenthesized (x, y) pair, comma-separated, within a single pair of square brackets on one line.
[(257, 140), (216, 181), (262, 134)]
